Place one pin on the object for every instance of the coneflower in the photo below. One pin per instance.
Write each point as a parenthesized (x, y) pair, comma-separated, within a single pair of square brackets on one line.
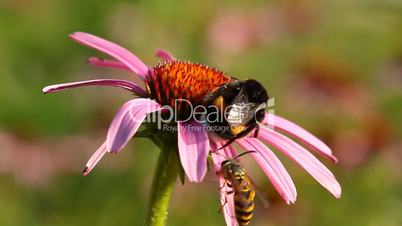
[(190, 83)]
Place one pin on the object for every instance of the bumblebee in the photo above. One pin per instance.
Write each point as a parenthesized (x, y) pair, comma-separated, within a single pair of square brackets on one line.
[(243, 197), (238, 105)]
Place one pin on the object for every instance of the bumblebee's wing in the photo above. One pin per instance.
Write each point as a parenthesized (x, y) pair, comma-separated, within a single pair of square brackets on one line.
[(228, 91), (210, 97), (261, 195)]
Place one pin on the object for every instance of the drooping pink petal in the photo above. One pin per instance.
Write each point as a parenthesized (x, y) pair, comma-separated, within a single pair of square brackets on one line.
[(227, 203), (230, 151), (304, 158), (193, 149), (107, 63), (130, 86), (127, 121), (272, 167), (95, 158), (306, 137), (113, 50), (165, 55), (218, 156)]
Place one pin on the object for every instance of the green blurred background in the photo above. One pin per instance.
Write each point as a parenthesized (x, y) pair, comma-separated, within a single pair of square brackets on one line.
[(334, 67)]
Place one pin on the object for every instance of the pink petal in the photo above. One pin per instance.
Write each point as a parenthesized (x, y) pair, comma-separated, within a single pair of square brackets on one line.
[(113, 50), (306, 137), (127, 121), (227, 200), (95, 158), (230, 151), (218, 156), (304, 158), (130, 86), (193, 149), (107, 63), (272, 167), (165, 55)]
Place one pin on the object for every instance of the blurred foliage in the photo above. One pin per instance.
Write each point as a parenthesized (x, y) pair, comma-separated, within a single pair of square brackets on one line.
[(334, 67)]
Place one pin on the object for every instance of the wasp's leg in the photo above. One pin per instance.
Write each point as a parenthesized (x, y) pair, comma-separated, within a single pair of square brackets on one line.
[(226, 200), (225, 184), (223, 205), (226, 193)]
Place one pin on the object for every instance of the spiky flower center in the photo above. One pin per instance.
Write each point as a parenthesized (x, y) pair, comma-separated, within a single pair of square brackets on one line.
[(181, 84)]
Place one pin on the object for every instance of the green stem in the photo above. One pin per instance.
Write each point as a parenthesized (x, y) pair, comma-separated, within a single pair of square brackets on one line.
[(163, 183)]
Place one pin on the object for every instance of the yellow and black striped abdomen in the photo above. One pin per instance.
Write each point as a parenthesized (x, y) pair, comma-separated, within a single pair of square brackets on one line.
[(244, 205)]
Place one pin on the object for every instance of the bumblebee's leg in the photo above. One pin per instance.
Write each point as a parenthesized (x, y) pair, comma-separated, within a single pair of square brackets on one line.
[(256, 131), (228, 143), (245, 132), (215, 152)]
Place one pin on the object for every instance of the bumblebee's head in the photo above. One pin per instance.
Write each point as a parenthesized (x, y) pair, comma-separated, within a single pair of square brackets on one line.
[(255, 91), (248, 98), (257, 94)]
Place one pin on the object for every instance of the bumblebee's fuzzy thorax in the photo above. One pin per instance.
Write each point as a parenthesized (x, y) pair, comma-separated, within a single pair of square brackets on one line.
[(177, 80)]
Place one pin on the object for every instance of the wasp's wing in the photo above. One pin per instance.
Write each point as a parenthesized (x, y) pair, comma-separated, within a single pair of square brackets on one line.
[(261, 195)]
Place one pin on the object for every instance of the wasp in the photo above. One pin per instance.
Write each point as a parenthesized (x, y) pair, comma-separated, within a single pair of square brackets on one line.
[(243, 188), (236, 104)]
